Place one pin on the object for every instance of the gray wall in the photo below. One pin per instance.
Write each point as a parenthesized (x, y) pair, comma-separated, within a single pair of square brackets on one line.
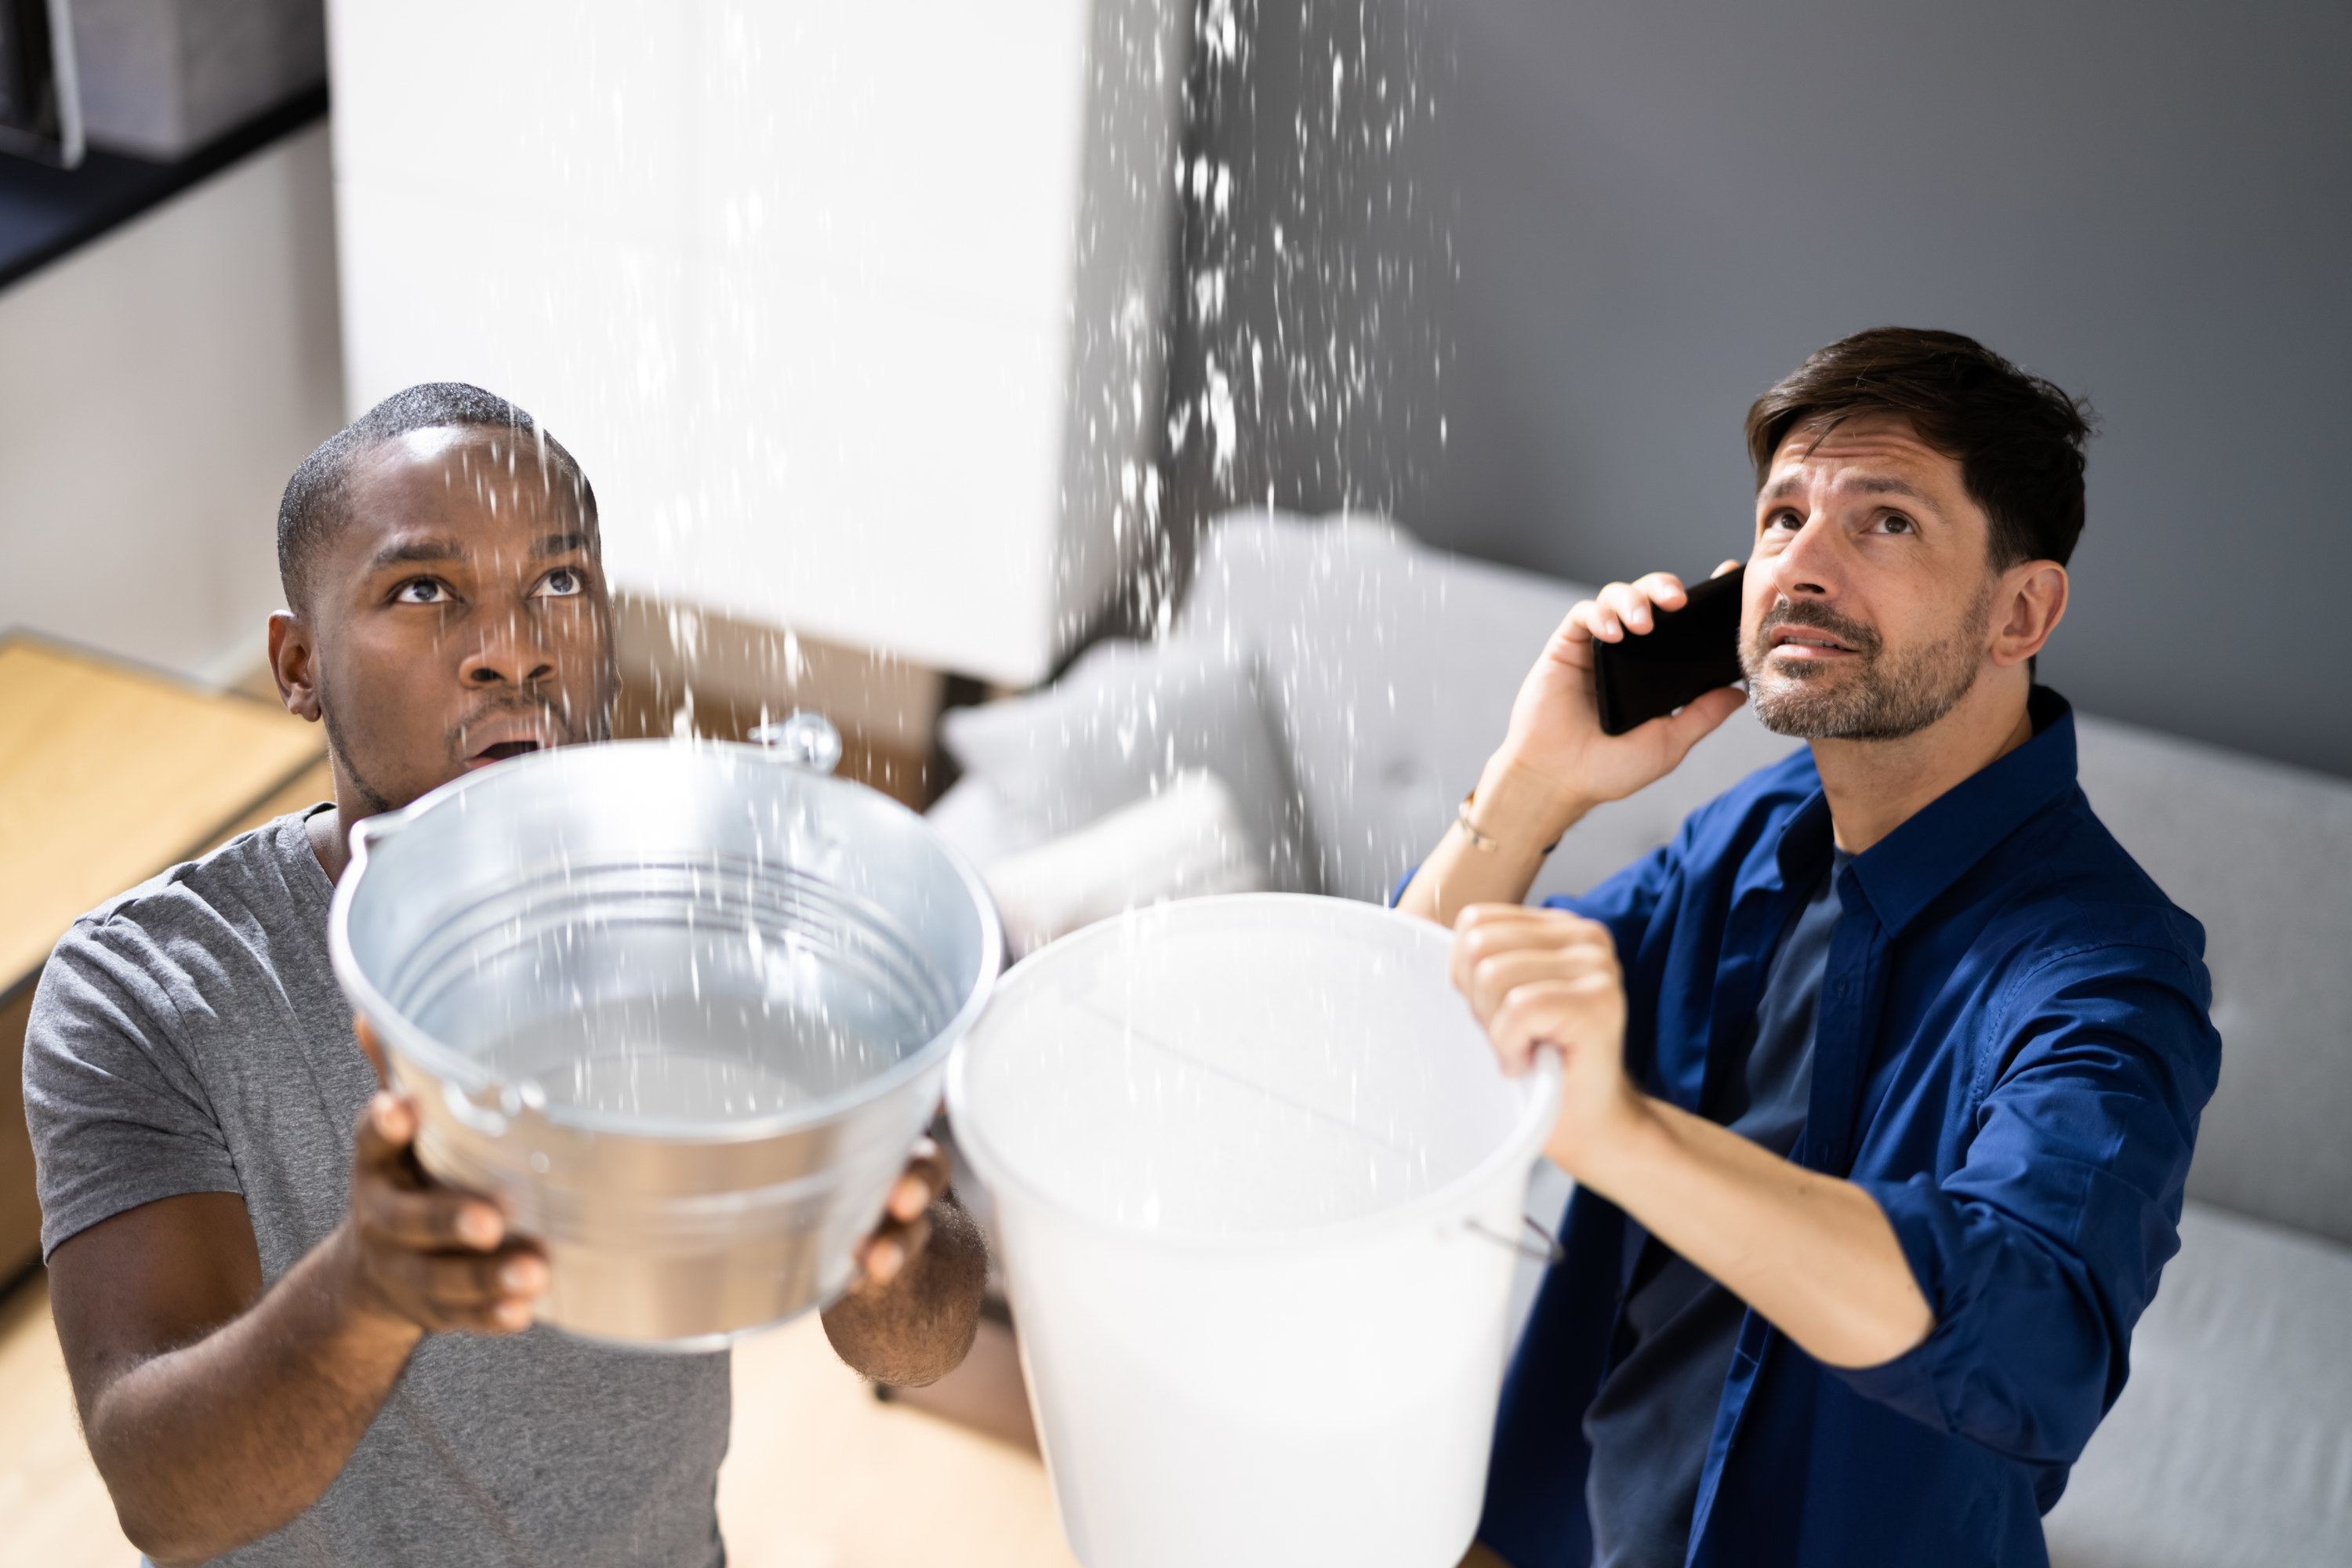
[(1590, 233)]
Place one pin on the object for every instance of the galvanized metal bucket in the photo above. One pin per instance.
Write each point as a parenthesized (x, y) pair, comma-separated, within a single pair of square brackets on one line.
[(683, 1006)]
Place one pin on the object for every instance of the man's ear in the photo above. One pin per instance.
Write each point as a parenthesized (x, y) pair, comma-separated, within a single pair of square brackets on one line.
[(294, 660), (2027, 607)]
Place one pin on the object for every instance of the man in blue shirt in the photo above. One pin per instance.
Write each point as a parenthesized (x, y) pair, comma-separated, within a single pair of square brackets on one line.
[(1882, 1080)]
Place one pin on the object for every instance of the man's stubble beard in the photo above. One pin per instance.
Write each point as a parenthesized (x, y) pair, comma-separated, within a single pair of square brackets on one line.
[(1888, 699), (372, 800), (595, 725)]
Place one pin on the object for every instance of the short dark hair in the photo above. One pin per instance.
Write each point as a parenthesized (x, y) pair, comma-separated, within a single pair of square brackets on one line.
[(2017, 437), (312, 507)]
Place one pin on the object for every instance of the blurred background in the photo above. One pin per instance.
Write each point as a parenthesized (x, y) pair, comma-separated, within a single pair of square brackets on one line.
[(930, 359), (935, 339)]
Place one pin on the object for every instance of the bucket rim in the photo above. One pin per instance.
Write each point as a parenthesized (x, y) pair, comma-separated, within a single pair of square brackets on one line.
[(1539, 1091), (450, 1067)]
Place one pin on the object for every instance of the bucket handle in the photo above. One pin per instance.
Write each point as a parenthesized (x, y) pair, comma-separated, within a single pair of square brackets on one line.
[(806, 739), (1551, 1252), (482, 1119)]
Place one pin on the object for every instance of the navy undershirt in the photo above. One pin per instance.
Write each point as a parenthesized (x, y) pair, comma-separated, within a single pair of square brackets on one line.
[(1650, 1423)]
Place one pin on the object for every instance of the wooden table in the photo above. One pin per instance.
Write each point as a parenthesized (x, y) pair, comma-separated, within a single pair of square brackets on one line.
[(109, 775)]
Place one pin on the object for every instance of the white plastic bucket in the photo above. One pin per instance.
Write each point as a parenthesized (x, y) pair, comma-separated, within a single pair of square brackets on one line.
[(1259, 1186)]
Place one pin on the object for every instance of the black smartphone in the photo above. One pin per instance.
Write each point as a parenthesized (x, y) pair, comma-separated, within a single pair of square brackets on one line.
[(1686, 652)]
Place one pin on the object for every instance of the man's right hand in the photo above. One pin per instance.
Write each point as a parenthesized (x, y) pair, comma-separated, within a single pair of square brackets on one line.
[(423, 1253), (1554, 764), (1554, 751)]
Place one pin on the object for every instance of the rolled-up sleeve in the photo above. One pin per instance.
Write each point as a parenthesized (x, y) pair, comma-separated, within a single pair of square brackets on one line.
[(2041, 1247), (1626, 903)]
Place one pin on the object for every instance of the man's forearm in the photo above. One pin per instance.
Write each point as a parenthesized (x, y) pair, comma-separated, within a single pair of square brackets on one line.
[(220, 1442), (1519, 817), (1814, 1254)]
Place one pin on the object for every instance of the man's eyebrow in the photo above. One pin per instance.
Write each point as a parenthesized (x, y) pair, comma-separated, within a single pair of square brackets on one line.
[(1887, 485), (1877, 485), (560, 543), (402, 551)]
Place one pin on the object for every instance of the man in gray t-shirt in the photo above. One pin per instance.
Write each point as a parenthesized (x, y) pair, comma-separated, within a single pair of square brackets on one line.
[(289, 1345)]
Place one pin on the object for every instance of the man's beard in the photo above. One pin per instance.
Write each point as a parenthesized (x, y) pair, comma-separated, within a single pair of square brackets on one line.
[(570, 730), (372, 801), (1885, 698)]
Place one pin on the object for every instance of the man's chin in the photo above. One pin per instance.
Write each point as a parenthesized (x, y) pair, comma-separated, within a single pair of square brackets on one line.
[(1808, 706), (1829, 711)]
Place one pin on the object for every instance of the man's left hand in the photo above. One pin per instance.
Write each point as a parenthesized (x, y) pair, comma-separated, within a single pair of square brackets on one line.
[(905, 1227), (1538, 977), (911, 1315)]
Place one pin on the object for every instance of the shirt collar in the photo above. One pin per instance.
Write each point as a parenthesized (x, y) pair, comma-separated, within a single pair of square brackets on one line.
[(1804, 847), (1903, 872)]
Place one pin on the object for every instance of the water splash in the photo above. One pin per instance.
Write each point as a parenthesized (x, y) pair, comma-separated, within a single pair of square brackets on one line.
[(1308, 243)]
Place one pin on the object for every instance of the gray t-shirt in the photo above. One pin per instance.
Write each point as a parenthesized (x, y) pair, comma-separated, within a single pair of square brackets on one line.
[(189, 1036)]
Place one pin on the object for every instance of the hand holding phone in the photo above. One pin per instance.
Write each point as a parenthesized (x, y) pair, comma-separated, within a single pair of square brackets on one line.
[(1685, 654), (1569, 748)]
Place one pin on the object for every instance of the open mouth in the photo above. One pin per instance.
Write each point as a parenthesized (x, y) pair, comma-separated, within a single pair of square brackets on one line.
[(1809, 642), (514, 739)]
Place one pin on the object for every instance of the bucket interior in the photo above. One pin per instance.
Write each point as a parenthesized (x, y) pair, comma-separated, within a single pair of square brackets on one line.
[(724, 952), (1232, 1067), (680, 991)]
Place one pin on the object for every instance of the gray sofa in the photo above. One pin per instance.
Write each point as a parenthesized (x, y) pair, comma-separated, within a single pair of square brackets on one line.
[(1384, 673)]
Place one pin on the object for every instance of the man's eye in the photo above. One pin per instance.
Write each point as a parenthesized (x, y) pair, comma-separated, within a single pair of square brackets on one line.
[(1788, 520), (561, 584), (422, 591), (1895, 523)]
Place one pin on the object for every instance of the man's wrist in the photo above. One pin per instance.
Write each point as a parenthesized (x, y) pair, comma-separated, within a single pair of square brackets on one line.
[(1521, 807), (358, 1300), (1606, 1152)]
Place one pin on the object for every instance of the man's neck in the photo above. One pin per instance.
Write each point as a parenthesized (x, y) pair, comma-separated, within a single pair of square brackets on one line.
[(1875, 787), (326, 831), (331, 831)]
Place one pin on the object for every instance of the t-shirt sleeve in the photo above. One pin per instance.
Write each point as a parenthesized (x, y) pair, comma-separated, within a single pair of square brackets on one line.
[(118, 1113)]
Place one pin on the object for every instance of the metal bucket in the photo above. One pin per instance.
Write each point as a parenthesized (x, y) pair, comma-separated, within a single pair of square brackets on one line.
[(683, 1006)]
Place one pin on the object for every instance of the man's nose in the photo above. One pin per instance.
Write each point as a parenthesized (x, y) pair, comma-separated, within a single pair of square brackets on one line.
[(510, 653), (1806, 566)]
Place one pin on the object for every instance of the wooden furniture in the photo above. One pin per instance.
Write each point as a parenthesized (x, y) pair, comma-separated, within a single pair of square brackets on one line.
[(107, 775)]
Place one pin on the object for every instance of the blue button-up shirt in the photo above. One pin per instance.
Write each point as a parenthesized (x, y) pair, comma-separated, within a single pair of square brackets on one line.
[(2011, 1054)]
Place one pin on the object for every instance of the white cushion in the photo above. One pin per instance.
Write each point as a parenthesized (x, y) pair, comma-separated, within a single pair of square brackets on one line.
[(1124, 721), (1185, 842), (2233, 1442), (982, 829)]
